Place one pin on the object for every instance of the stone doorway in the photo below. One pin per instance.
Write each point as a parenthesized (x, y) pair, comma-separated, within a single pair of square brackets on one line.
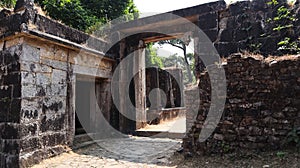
[(92, 105), (85, 102)]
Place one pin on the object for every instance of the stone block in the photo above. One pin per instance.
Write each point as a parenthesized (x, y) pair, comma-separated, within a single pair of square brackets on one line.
[(53, 52), (59, 77), (31, 109), (238, 8), (41, 90), (54, 105), (55, 64), (29, 91), (11, 160), (13, 114), (35, 67), (52, 123), (29, 130), (5, 92), (11, 146), (43, 78), (5, 107), (227, 35), (9, 131), (30, 53), (225, 49), (28, 78), (56, 90), (30, 144), (14, 42), (212, 34), (208, 21), (92, 71)]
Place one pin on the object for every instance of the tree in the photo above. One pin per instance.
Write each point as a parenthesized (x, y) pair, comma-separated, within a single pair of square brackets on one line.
[(7, 3), (71, 13), (179, 62), (83, 14), (181, 45), (152, 59)]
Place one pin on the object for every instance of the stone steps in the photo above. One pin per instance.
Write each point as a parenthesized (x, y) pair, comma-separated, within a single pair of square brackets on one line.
[(160, 134)]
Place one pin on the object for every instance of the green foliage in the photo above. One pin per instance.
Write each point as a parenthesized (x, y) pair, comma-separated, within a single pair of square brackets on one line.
[(174, 61), (107, 10), (178, 61), (293, 138), (178, 43), (7, 3), (281, 154), (152, 59), (88, 15), (288, 45), (283, 23), (70, 12), (225, 147)]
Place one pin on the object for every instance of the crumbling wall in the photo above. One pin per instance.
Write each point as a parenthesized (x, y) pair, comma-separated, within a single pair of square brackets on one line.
[(262, 106)]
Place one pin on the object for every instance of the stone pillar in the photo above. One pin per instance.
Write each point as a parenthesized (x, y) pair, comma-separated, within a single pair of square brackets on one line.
[(140, 86), (199, 65), (122, 88), (154, 83)]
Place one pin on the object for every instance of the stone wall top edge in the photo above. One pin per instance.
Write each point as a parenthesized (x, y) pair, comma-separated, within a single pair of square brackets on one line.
[(22, 22), (261, 58), (45, 38), (171, 15)]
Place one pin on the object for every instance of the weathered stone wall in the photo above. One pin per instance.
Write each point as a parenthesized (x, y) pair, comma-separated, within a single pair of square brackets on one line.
[(10, 103), (262, 106), (242, 25), (44, 122), (48, 78), (170, 81), (37, 88)]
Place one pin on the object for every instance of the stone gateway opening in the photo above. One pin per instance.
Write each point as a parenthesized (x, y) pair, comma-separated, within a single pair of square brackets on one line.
[(55, 81), (92, 104)]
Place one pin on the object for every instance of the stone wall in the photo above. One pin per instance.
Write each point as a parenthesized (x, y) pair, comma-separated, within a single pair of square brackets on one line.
[(170, 81), (240, 27), (37, 88), (44, 111), (10, 103), (48, 78), (262, 106)]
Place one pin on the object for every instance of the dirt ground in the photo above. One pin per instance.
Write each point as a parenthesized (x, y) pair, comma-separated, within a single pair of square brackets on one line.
[(275, 159)]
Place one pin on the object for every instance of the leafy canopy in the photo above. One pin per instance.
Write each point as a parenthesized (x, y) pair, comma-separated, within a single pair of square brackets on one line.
[(83, 14), (7, 3)]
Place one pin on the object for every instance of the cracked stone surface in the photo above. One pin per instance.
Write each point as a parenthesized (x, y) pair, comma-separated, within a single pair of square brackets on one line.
[(124, 152)]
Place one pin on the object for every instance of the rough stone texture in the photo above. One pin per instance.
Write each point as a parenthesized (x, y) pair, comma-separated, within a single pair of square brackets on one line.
[(170, 81), (241, 26), (262, 106), (35, 95), (40, 60), (10, 103), (122, 152), (46, 70)]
